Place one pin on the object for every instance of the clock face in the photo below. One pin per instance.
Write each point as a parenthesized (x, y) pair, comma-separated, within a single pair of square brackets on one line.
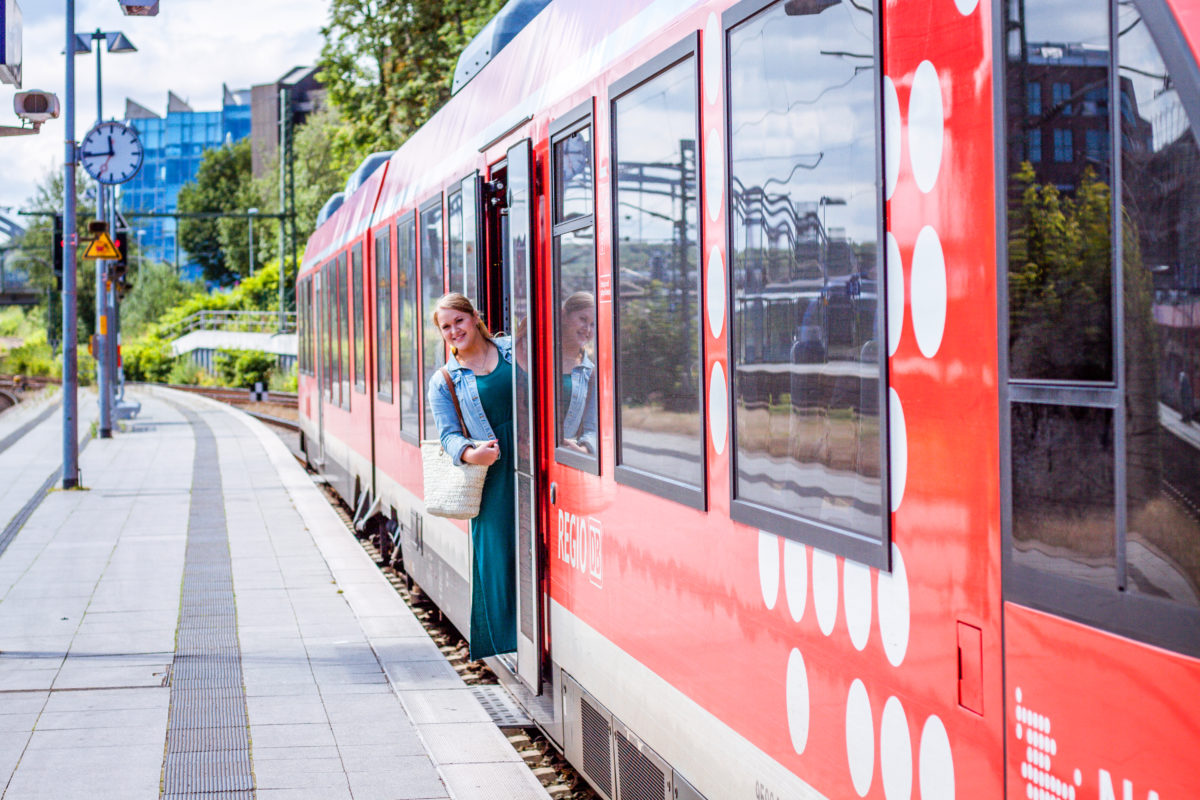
[(111, 152)]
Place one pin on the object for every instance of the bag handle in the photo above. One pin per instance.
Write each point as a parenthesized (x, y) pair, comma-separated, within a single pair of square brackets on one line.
[(454, 396)]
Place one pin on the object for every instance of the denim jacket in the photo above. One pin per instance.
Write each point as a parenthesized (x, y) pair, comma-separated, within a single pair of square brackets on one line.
[(478, 428), (579, 422)]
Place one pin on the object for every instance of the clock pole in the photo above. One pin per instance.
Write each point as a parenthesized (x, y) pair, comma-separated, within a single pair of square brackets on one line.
[(104, 365), (70, 378)]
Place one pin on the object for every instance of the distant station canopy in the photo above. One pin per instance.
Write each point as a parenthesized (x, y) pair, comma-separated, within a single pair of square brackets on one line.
[(502, 29)]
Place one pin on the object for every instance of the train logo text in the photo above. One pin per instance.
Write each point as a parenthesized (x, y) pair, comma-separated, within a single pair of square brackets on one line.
[(580, 545)]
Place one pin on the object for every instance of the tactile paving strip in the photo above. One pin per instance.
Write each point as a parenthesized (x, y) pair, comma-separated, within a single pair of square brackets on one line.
[(208, 743)]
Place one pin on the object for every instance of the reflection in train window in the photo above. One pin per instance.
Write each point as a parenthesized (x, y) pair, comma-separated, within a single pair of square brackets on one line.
[(573, 182), (432, 281), (408, 379), (383, 315), (360, 357), (1160, 210), (657, 284), (804, 214), (1060, 291), (574, 247), (1105, 474)]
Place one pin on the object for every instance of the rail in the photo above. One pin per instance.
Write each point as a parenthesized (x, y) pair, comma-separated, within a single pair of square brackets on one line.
[(241, 398), (239, 321)]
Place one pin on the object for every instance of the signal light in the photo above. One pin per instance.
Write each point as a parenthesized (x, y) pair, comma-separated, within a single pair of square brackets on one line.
[(56, 248), (117, 267)]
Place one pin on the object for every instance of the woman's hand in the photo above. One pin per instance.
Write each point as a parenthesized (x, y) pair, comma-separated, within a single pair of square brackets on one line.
[(574, 444), (484, 453)]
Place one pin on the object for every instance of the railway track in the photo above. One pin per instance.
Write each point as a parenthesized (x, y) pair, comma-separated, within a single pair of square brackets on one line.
[(279, 403)]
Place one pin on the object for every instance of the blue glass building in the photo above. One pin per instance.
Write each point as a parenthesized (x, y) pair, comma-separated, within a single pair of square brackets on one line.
[(174, 146)]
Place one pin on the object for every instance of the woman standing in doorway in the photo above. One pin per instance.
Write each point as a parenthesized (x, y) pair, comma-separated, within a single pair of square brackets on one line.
[(480, 366)]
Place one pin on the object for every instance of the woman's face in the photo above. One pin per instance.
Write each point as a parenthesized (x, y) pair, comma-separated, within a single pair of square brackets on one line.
[(458, 328), (578, 329)]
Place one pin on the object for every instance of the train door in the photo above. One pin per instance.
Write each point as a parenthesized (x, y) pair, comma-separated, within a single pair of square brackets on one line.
[(512, 222)]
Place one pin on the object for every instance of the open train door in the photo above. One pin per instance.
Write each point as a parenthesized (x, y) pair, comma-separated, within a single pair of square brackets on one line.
[(518, 267)]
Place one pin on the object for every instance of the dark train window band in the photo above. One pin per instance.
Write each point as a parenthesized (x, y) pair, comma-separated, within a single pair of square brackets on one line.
[(1101, 441), (343, 333), (656, 282), (408, 379), (360, 342), (383, 314), (808, 373), (572, 199), (433, 278)]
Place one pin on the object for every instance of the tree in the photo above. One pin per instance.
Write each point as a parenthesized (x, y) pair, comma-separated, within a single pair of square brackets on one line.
[(35, 252), (156, 289), (223, 183), (388, 64)]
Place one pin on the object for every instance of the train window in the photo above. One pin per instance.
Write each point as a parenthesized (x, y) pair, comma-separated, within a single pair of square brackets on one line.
[(343, 290), (656, 278), (360, 344), (1103, 440), (432, 282), (383, 315), (455, 267), (804, 215), (470, 226), (1060, 303), (461, 235), (408, 378), (327, 353), (573, 181), (574, 253), (327, 317)]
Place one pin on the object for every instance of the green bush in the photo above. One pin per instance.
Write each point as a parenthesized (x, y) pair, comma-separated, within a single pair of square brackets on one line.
[(184, 373), (243, 368), (284, 381), (148, 360)]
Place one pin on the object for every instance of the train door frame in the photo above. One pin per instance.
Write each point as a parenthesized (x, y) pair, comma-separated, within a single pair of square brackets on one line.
[(511, 293)]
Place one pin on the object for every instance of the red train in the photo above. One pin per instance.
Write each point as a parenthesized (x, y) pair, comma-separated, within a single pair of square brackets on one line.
[(893, 475)]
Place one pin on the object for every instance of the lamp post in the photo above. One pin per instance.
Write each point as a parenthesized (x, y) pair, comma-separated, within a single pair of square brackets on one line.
[(250, 221), (106, 359)]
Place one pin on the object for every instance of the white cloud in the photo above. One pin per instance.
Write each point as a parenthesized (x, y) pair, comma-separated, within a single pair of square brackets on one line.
[(191, 48)]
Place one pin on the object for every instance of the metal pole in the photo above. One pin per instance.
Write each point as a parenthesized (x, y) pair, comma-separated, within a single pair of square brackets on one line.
[(284, 115), (114, 315), (250, 222), (104, 372), (70, 378)]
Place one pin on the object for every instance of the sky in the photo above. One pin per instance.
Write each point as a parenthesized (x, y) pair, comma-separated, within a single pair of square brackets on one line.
[(190, 48)]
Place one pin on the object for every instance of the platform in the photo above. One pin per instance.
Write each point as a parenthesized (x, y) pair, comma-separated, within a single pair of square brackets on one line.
[(198, 622)]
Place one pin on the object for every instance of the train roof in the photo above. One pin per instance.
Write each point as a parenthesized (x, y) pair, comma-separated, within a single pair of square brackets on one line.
[(562, 48)]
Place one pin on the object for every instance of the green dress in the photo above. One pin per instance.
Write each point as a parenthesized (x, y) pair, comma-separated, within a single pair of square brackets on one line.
[(493, 569)]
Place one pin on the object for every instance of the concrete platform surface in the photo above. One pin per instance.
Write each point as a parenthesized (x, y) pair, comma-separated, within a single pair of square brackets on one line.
[(199, 623)]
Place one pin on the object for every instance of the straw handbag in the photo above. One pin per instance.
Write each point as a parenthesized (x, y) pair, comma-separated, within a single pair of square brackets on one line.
[(451, 490)]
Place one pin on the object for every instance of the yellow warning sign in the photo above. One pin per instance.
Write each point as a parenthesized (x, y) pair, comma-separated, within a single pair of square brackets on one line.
[(102, 247)]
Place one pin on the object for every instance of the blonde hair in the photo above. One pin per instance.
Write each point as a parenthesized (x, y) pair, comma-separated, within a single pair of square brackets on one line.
[(456, 301), (578, 302)]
